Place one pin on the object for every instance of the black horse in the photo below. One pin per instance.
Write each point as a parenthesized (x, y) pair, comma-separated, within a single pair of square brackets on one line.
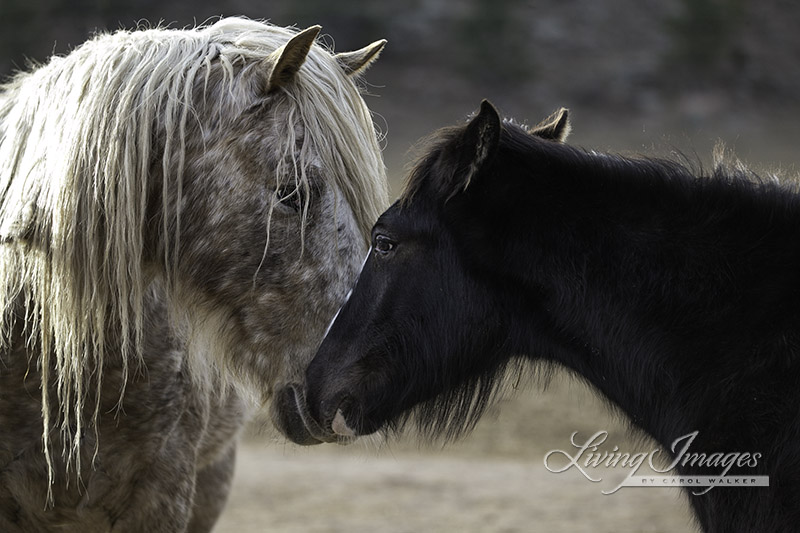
[(676, 296)]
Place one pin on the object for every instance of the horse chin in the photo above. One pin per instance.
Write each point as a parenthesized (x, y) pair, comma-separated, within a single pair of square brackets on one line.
[(290, 416)]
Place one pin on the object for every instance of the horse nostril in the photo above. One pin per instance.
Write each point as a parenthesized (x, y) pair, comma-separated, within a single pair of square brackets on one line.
[(340, 427)]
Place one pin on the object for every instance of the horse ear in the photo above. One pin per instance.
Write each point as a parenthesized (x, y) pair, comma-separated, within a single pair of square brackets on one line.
[(479, 141), (290, 57), (556, 127), (358, 61)]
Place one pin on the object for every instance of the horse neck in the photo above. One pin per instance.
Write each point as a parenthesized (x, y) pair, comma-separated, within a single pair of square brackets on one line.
[(645, 281)]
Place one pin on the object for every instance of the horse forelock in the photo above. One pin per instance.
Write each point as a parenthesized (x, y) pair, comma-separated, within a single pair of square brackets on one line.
[(79, 137), (344, 142)]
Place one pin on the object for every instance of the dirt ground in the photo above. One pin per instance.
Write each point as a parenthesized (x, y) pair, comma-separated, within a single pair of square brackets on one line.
[(494, 481)]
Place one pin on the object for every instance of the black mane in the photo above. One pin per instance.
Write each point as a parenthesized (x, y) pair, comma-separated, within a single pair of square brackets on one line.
[(436, 167)]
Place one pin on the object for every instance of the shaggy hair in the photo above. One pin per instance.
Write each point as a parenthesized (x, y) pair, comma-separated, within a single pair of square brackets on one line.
[(82, 138)]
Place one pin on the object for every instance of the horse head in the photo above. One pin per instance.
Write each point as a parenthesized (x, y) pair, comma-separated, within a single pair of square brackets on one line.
[(228, 174), (420, 331)]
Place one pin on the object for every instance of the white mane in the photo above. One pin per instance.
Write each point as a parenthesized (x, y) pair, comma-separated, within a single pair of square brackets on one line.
[(79, 138)]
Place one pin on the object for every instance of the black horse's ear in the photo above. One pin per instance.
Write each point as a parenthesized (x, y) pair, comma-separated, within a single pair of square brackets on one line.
[(556, 127), (287, 60), (477, 145)]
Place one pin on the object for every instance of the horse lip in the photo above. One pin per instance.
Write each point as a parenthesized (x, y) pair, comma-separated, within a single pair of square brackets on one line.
[(311, 426), (288, 417)]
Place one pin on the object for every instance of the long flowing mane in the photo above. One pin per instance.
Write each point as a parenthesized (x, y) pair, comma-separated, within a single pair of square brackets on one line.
[(81, 139)]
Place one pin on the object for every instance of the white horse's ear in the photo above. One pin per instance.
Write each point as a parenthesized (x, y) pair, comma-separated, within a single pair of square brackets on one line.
[(358, 61), (556, 127), (288, 59)]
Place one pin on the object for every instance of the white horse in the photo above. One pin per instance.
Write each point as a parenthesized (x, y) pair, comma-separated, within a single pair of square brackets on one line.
[(181, 214)]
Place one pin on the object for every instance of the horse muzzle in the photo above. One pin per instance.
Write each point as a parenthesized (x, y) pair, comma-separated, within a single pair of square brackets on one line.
[(290, 415)]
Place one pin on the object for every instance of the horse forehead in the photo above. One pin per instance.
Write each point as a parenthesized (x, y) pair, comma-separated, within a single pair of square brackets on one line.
[(274, 125), (407, 218), (284, 127), (392, 216)]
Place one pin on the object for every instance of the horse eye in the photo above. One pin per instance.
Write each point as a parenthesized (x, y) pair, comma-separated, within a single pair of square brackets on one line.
[(383, 244), (289, 196)]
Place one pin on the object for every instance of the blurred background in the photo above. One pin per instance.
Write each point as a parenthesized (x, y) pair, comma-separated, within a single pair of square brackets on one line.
[(650, 74), (652, 77)]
